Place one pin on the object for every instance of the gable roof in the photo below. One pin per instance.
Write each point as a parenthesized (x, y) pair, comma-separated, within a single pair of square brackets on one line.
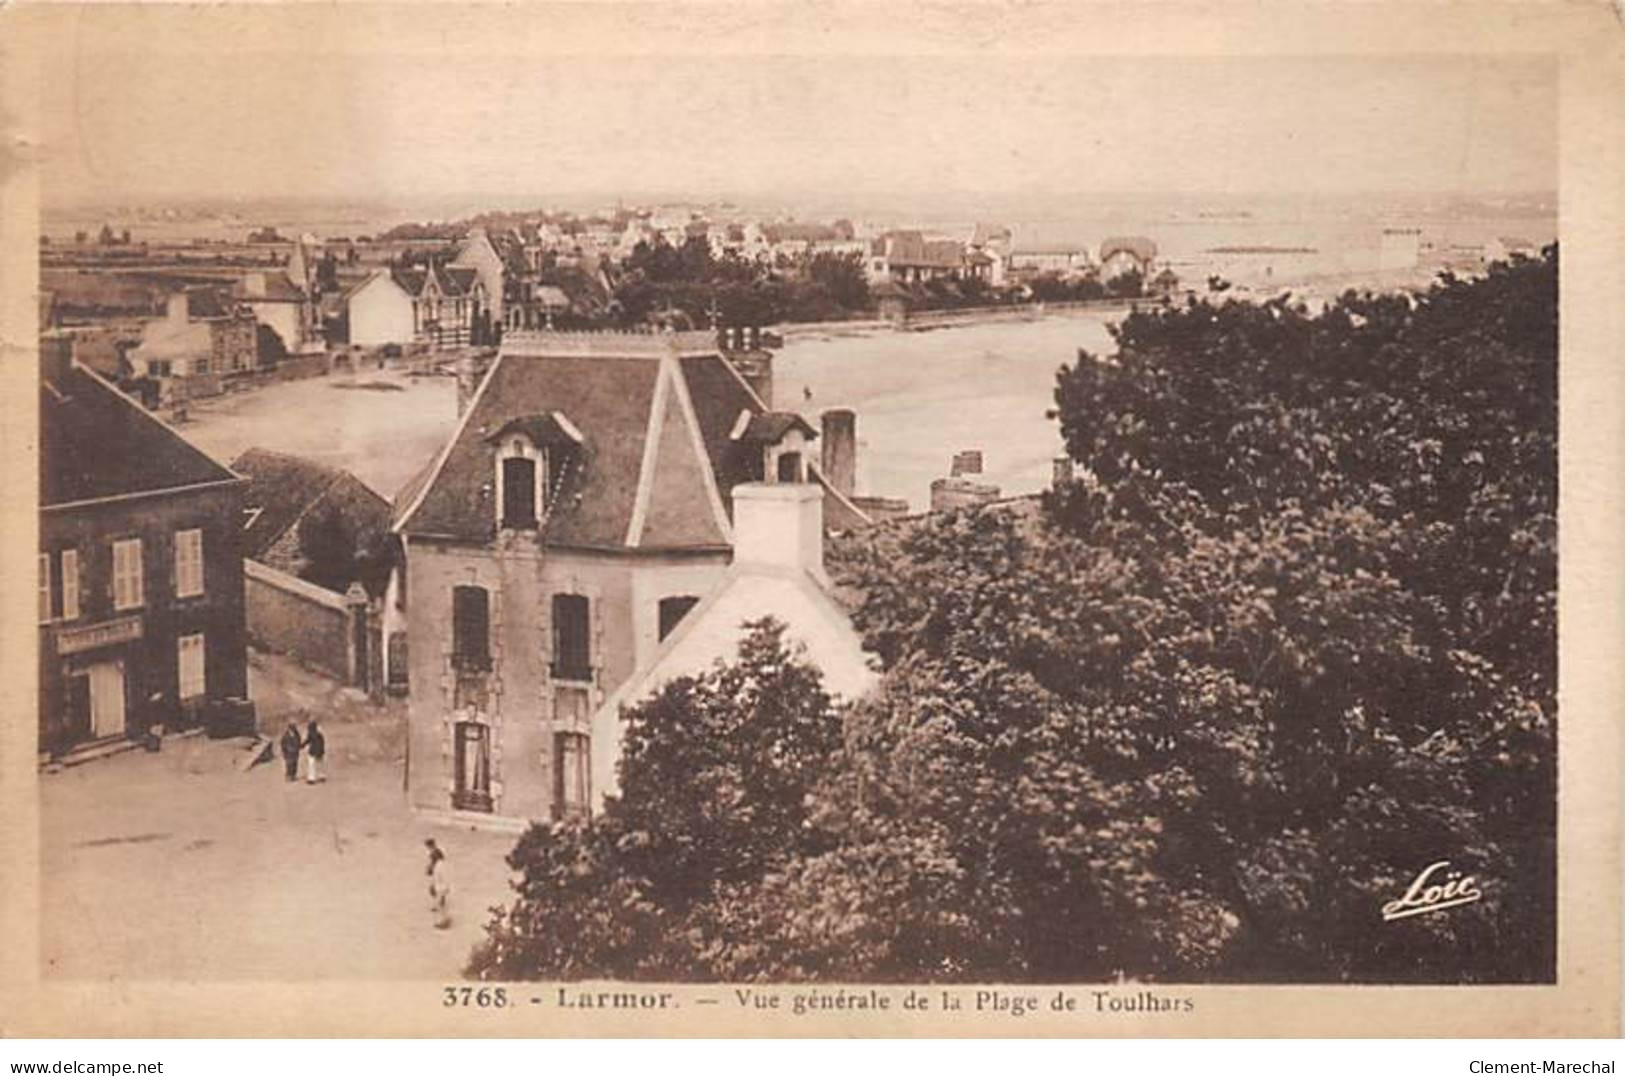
[(769, 427), (910, 247), (96, 443), (277, 289), (452, 280), (284, 488), (655, 461)]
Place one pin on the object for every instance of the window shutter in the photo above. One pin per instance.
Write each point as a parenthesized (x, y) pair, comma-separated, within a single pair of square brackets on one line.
[(471, 627), (70, 584), (45, 588), (572, 637), (518, 492)]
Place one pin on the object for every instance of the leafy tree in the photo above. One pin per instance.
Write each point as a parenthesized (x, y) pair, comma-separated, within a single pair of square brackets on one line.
[(1288, 637), (716, 780), (1127, 285), (1287, 640), (338, 551)]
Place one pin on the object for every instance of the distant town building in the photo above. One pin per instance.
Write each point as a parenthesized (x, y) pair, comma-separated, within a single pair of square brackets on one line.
[(284, 490), (286, 299), (140, 567), (1063, 258), (439, 306), (910, 257), (994, 242), (1121, 255), (202, 339), (480, 254)]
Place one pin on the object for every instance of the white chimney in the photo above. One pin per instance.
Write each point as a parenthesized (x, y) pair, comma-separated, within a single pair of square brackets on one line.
[(779, 525), (254, 285)]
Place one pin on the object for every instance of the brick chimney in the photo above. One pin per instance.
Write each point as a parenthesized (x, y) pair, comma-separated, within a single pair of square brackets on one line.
[(779, 526), (966, 462), (839, 461)]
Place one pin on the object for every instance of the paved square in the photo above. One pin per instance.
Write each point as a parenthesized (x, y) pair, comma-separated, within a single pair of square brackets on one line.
[(177, 865)]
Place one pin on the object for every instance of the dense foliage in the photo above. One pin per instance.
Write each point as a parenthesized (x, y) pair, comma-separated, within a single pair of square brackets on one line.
[(716, 778), (1287, 639)]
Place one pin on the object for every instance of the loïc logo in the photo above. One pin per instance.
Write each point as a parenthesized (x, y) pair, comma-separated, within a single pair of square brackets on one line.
[(1427, 895)]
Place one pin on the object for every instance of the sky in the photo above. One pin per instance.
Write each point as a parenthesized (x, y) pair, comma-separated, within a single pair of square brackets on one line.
[(172, 104)]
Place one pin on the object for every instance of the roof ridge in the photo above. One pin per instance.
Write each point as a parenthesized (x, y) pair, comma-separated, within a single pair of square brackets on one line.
[(107, 385), (653, 426), (697, 443)]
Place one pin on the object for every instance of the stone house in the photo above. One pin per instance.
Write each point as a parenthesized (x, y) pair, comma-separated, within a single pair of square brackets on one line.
[(140, 567), (202, 339), (583, 506), (286, 305), (910, 257)]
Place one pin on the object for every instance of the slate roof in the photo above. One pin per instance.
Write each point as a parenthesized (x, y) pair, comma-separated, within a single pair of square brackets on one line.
[(799, 232), (284, 488), (203, 303), (769, 427), (454, 280), (278, 289), (608, 399), (96, 442), (913, 248)]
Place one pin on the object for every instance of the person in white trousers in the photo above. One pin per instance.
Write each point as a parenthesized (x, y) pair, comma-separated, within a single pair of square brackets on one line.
[(439, 886), (315, 752)]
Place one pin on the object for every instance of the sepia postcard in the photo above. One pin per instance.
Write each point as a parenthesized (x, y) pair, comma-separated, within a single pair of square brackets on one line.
[(1003, 519)]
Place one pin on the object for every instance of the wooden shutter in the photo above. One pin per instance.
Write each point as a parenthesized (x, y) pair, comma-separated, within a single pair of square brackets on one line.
[(471, 627)]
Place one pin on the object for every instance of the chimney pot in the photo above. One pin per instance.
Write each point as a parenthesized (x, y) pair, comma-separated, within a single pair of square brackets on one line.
[(839, 460), (56, 356), (967, 462)]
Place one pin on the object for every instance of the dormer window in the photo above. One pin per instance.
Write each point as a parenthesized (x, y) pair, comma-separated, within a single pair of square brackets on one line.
[(523, 485), (534, 454), (776, 445)]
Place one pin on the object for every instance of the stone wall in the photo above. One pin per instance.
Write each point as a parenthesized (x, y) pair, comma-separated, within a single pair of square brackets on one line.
[(309, 623)]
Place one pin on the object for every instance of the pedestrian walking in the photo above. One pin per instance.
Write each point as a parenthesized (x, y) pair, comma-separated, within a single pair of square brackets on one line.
[(439, 886), (315, 752), (291, 743)]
